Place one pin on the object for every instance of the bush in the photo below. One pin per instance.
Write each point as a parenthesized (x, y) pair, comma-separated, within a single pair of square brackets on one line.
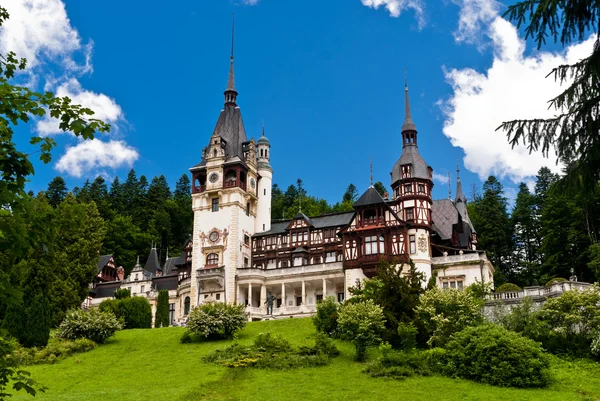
[(186, 338), (11, 374), (493, 355), (323, 345), (161, 319), (595, 347), (407, 335), (93, 324), (135, 312), (216, 320), (362, 323), (445, 312), (325, 319), (555, 280), (56, 350), (37, 325), (399, 365), (122, 293), (507, 287)]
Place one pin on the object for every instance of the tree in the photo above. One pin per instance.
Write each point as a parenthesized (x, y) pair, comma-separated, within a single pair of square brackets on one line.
[(573, 131), (363, 324), (380, 188), (20, 104), (526, 236), (57, 191), (37, 324), (161, 318), (351, 194), (183, 188)]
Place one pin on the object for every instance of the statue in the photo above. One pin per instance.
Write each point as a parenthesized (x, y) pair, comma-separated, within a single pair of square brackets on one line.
[(270, 299)]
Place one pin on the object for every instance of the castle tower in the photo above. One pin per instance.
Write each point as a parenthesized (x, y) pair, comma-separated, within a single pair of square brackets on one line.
[(412, 184), (224, 201), (265, 183)]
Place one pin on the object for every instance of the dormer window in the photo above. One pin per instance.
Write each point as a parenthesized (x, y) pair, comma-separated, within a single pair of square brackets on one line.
[(408, 189)]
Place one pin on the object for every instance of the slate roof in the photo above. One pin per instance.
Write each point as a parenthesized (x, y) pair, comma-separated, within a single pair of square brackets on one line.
[(152, 264), (444, 215), (461, 205), (104, 259), (170, 265), (370, 197), (327, 220), (410, 155), (301, 215), (169, 282), (106, 289)]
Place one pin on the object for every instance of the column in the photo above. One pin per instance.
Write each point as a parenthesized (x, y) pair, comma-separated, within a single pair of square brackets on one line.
[(283, 303), (250, 294), (263, 299), (324, 289), (238, 296), (303, 293)]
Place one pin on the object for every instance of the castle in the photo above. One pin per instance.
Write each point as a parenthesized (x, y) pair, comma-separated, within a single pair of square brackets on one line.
[(237, 254)]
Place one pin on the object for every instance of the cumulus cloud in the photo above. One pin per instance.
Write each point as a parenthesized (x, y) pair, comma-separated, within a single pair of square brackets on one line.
[(93, 155), (513, 87), (395, 7), (41, 29), (105, 108), (441, 178), (474, 17), (250, 2)]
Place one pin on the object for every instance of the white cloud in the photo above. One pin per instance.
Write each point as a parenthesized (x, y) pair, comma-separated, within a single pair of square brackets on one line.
[(474, 17), (513, 87), (250, 2), (40, 29), (95, 155), (395, 7), (441, 178), (105, 108)]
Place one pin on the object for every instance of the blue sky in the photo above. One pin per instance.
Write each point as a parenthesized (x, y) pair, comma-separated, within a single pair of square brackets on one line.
[(326, 77)]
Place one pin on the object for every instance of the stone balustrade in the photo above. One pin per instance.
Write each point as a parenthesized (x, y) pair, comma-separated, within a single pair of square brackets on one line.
[(333, 267), (537, 293)]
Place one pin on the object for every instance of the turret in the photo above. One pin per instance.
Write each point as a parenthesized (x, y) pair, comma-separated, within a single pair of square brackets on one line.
[(265, 183)]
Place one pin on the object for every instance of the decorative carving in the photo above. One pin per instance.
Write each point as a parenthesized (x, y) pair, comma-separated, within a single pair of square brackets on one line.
[(422, 243), (214, 177)]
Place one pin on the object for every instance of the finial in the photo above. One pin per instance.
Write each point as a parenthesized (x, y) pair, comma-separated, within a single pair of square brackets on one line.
[(232, 34), (263, 128), (230, 92), (138, 260), (449, 186), (405, 80), (457, 169), (371, 169)]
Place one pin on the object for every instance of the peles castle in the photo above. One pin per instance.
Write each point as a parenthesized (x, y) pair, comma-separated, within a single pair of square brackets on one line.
[(237, 254)]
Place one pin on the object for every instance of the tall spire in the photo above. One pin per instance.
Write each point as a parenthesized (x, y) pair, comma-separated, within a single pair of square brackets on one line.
[(230, 92), (408, 125), (460, 195)]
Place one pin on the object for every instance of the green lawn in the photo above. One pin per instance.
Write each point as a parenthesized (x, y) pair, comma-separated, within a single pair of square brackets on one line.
[(153, 365)]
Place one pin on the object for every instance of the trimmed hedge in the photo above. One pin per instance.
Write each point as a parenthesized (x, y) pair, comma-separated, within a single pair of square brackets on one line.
[(135, 312), (494, 355), (555, 280), (506, 287)]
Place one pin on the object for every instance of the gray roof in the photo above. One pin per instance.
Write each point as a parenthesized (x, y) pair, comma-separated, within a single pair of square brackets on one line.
[(444, 215), (408, 125), (410, 155), (327, 220), (370, 197), (104, 259), (169, 282), (301, 215), (170, 265), (152, 264), (461, 205), (230, 127), (107, 289)]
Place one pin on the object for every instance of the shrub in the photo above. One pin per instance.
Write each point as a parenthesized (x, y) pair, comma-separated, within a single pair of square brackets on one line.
[(493, 355), (56, 350), (323, 345), (436, 359), (362, 323), (162, 309), (93, 324), (135, 312), (595, 347), (407, 335), (37, 325), (507, 287), (10, 374), (448, 311), (325, 319), (216, 320), (122, 293), (555, 280), (399, 365), (186, 338)]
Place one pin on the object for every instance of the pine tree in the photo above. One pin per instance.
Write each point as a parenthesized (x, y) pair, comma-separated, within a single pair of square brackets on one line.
[(526, 237), (183, 188), (351, 194), (37, 325), (161, 318), (57, 190), (380, 188)]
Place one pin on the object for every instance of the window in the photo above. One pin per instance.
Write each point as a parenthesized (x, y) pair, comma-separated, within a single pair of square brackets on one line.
[(445, 285), (218, 297), (212, 259), (215, 204), (263, 227), (248, 209), (408, 189), (186, 306), (298, 301), (143, 288), (340, 297), (245, 262), (317, 260), (136, 276), (265, 191), (453, 284), (421, 188), (460, 285), (284, 263), (261, 153), (374, 244), (413, 244), (246, 239), (319, 298), (410, 213)]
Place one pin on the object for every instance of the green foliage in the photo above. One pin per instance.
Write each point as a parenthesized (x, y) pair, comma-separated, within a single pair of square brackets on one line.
[(325, 319), (162, 309), (37, 326), (479, 289), (507, 287), (493, 355), (186, 338), (93, 324), (399, 365), (9, 367), (56, 350), (446, 312), (275, 352), (134, 312), (555, 280), (363, 324), (216, 320), (122, 293), (57, 191), (397, 294), (407, 334)]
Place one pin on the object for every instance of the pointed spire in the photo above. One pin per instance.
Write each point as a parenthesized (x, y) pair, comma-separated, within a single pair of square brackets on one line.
[(230, 92), (263, 128), (408, 125), (138, 261), (449, 187), (460, 195)]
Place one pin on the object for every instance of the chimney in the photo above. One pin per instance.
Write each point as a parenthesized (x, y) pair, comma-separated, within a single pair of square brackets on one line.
[(120, 273)]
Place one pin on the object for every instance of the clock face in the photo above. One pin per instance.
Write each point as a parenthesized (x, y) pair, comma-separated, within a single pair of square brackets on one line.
[(252, 182), (214, 236), (213, 177)]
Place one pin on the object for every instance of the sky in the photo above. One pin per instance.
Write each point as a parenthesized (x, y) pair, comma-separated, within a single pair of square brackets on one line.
[(325, 77)]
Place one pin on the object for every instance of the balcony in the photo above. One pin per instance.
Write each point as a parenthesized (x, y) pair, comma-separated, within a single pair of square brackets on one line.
[(260, 312), (291, 271), (235, 183), (211, 276)]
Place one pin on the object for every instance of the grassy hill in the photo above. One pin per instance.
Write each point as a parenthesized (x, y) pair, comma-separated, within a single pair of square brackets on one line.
[(153, 365)]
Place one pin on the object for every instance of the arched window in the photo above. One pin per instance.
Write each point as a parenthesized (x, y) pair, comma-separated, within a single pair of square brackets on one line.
[(261, 153), (186, 306), (248, 209), (215, 152), (212, 259)]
